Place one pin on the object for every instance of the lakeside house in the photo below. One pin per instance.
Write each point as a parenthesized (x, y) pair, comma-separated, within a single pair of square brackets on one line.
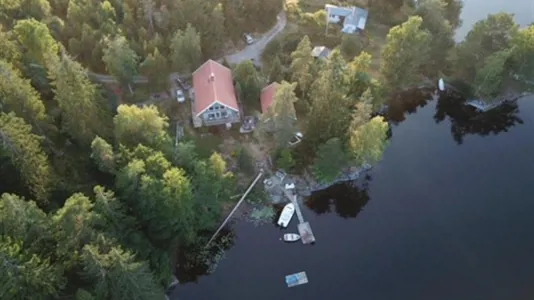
[(321, 52), (214, 100), (352, 19)]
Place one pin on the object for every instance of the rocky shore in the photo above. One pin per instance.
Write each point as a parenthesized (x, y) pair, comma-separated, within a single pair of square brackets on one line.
[(306, 184)]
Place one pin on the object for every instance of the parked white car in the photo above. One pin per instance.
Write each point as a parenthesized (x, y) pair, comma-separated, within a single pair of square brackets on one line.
[(248, 38), (180, 97)]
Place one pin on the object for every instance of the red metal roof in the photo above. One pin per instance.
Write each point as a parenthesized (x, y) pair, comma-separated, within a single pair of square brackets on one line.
[(267, 96), (213, 82)]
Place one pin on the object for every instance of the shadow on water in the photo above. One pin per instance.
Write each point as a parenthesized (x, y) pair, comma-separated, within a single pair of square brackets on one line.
[(346, 199), (195, 261), (467, 120), (406, 103), (464, 119)]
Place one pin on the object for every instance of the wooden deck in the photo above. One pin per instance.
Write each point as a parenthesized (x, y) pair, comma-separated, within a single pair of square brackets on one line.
[(306, 233)]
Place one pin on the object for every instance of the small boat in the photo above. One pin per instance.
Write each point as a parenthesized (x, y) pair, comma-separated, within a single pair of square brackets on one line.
[(291, 237), (286, 215), (441, 84)]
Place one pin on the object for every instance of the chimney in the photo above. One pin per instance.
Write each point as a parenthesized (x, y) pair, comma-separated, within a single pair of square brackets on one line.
[(211, 78)]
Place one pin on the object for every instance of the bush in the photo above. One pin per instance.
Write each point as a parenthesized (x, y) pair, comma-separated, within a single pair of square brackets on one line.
[(285, 160)]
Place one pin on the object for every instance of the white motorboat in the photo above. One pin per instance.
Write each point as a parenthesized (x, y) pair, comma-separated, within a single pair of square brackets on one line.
[(291, 237), (286, 215), (441, 84)]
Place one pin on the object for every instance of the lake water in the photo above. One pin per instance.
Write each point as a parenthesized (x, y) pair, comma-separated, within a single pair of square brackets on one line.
[(447, 214)]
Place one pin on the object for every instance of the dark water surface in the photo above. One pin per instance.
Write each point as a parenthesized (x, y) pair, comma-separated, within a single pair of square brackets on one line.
[(448, 214)]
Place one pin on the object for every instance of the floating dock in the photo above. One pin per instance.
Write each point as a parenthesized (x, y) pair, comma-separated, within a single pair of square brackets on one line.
[(304, 227), (306, 233), (296, 279)]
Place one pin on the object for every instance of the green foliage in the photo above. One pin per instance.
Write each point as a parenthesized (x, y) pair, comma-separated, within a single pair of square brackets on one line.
[(522, 57), (489, 78), (135, 125), (155, 67), (102, 154), (121, 61), (26, 275), (329, 161), (185, 50), (368, 142), (488, 36), (18, 96), (276, 71), (249, 81), (301, 64), (84, 115), (25, 153), (282, 114), (285, 160), (331, 105), (404, 54), (434, 15), (351, 45), (37, 44), (117, 275)]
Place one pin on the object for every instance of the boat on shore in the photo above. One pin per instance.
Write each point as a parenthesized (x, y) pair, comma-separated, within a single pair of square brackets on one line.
[(286, 215), (291, 237)]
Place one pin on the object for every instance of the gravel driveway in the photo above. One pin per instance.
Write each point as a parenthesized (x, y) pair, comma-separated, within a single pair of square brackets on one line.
[(255, 50)]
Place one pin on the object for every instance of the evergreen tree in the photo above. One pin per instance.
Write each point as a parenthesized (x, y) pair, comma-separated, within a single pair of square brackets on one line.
[(276, 71), (121, 61), (24, 150), (282, 114), (329, 160), (155, 67), (404, 54), (36, 43), (26, 275), (118, 275), (83, 114), (186, 53), (18, 96), (331, 107), (301, 64), (249, 81)]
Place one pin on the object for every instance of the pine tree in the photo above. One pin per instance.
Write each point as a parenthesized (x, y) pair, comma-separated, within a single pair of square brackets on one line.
[(24, 150), (155, 67), (121, 61), (83, 112), (301, 64), (118, 275), (186, 53), (26, 275)]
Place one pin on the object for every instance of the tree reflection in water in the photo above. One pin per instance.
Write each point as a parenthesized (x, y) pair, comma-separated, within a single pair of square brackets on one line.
[(407, 103), (467, 120), (194, 262), (346, 199)]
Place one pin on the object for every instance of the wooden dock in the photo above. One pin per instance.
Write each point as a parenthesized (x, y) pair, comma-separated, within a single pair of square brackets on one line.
[(304, 228)]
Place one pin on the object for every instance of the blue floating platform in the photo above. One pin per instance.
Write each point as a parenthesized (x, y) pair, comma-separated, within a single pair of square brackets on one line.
[(296, 279)]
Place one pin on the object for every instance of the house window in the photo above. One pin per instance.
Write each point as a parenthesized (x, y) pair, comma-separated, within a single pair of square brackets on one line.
[(218, 115), (211, 116), (224, 114)]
